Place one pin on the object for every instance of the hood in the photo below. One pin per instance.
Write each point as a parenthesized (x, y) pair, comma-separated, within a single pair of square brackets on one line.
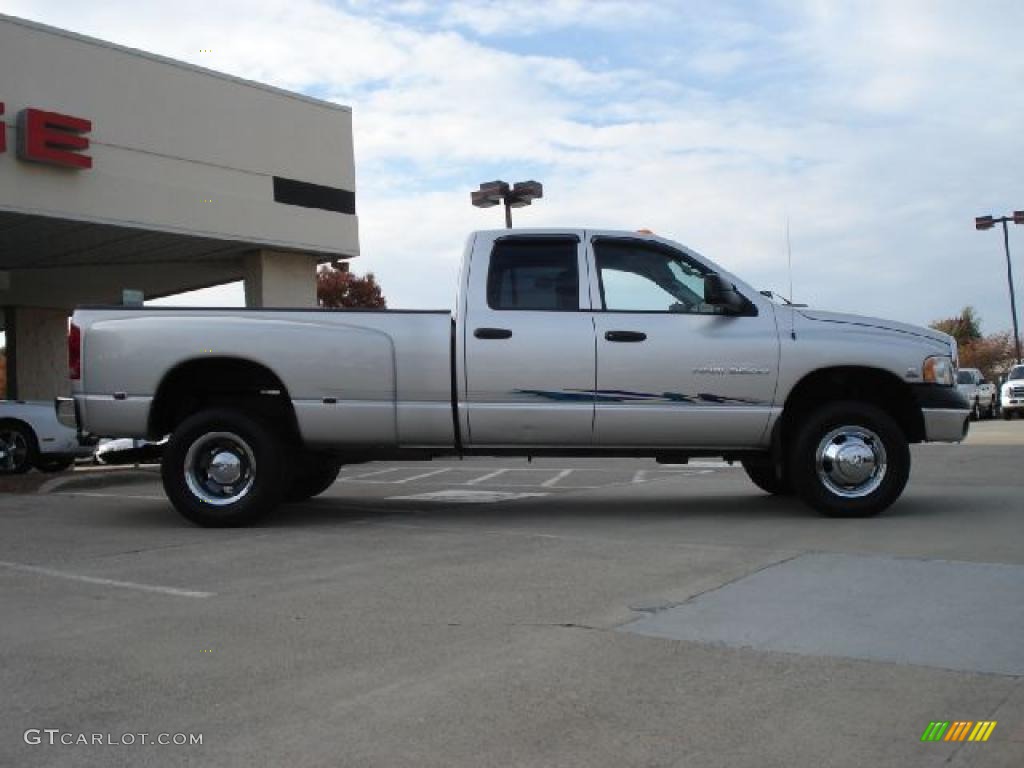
[(877, 322)]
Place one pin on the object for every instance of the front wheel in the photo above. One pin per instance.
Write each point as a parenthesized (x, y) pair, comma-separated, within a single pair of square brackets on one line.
[(224, 468), (850, 459)]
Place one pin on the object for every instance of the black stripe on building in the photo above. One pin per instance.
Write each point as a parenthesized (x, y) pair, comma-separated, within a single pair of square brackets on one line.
[(306, 195)]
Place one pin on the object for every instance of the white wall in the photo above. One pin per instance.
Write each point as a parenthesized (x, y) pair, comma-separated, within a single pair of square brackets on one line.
[(42, 353), (280, 280), (168, 137)]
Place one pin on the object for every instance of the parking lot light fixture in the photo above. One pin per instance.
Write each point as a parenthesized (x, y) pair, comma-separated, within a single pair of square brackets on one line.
[(988, 222), (519, 195)]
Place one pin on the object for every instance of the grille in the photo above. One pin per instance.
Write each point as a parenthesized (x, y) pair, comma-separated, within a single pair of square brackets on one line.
[(1016, 391)]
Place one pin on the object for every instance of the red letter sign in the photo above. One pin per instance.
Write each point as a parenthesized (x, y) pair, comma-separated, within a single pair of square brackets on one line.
[(3, 131), (49, 137)]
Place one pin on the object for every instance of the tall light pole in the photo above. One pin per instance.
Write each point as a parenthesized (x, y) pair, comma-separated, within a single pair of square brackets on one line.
[(518, 195), (987, 222)]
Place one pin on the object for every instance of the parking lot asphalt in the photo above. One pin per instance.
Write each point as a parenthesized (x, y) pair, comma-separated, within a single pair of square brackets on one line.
[(496, 612)]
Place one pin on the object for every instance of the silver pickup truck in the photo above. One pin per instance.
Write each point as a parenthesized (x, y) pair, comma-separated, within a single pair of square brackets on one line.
[(563, 342)]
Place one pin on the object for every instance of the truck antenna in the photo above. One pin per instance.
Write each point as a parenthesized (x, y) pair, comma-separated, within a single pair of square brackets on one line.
[(789, 264), (789, 260)]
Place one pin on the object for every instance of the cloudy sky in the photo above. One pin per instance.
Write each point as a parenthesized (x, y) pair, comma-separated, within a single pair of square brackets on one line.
[(880, 129)]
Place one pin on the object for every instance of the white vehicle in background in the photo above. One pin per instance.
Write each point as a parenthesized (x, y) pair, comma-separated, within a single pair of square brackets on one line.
[(981, 394), (1012, 396), (31, 436)]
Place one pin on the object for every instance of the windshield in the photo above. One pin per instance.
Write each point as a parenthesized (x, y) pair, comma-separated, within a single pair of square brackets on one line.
[(1017, 373), (964, 377)]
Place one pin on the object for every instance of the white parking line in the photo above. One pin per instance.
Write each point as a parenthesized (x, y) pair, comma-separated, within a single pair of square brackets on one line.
[(555, 476), (420, 476), (467, 497), (370, 474), (560, 476), (105, 582), (486, 477)]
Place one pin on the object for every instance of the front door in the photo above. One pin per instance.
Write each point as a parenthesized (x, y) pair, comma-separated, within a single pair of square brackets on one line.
[(671, 369), (529, 344)]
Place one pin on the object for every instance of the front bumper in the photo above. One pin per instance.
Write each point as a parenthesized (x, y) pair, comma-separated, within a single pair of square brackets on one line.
[(945, 410), (945, 425)]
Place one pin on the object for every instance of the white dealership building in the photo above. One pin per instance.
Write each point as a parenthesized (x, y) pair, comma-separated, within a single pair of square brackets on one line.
[(122, 171)]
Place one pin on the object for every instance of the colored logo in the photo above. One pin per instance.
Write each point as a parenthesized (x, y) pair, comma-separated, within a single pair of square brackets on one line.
[(958, 730)]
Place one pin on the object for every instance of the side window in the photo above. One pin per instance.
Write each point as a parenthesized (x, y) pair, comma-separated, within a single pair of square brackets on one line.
[(636, 277), (534, 274)]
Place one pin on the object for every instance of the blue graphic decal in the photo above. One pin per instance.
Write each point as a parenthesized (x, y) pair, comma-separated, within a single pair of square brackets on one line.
[(625, 396)]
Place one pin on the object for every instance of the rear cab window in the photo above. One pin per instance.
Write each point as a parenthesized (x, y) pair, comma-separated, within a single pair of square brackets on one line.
[(538, 274)]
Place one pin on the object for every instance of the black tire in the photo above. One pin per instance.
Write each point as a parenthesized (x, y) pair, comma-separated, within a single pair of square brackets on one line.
[(1007, 415), (18, 448), (765, 476), (865, 433), (54, 465), (250, 454), (312, 474), (975, 411)]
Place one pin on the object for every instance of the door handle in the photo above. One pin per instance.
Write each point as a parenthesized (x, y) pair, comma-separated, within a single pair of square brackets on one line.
[(493, 333), (625, 336)]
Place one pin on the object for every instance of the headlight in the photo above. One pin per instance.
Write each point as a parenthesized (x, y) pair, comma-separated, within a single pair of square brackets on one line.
[(939, 370)]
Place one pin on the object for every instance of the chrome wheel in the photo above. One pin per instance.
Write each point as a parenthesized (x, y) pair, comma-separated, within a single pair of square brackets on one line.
[(851, 461), (14, 450), (220, 468)]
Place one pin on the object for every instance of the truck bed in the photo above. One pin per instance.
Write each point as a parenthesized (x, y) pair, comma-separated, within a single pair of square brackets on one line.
[(355, 376)]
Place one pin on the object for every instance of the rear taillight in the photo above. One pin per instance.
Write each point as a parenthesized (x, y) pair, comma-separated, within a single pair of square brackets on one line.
[(75, 353)]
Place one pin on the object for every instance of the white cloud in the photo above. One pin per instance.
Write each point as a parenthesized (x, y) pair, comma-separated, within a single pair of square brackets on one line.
[(880, 129), (528, 17)]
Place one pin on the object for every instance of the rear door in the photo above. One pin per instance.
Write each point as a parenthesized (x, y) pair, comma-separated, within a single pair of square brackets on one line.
[(671, 369), (529, 342)]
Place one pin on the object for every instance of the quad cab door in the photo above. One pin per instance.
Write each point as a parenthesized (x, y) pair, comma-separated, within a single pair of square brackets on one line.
[(528, 339), (672, 369)]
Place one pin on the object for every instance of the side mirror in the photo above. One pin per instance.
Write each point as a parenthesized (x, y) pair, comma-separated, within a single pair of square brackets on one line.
[(721, 293)]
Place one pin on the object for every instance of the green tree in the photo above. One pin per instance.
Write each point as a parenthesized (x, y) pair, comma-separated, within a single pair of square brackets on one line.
[(965, 327), (340, 288), (992, 355)]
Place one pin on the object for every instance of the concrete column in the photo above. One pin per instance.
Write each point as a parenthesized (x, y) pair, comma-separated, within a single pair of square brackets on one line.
[(38, 339), (278, 279)]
